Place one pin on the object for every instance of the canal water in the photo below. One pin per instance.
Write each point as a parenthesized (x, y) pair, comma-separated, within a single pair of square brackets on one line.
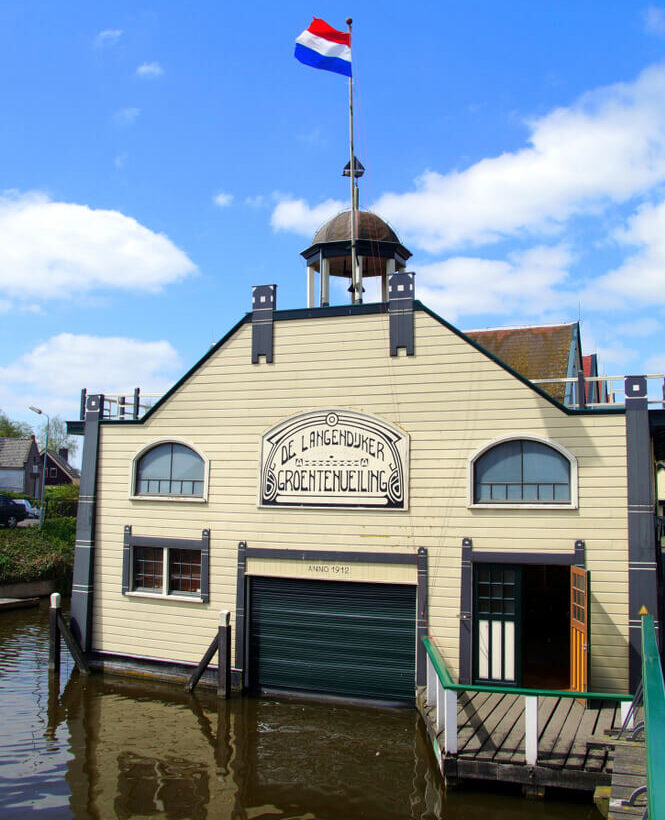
[(103, 747)]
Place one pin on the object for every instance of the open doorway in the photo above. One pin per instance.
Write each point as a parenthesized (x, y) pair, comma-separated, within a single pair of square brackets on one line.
[(546, 627), (521, 625)]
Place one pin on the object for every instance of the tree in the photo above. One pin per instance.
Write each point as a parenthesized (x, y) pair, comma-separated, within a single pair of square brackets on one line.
[(13, 429), (57, 436)]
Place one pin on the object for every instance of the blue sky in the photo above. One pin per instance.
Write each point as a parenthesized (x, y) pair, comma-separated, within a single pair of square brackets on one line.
[(158, 159)]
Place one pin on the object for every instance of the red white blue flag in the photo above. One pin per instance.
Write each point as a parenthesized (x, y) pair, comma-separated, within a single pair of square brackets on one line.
[(321, 46)]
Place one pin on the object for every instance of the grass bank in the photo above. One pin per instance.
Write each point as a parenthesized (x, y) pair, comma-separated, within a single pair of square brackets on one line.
[(31, 554)]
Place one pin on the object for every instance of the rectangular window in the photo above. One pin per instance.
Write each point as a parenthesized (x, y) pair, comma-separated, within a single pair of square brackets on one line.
[(182, 568), (53, 472), (163, 566)]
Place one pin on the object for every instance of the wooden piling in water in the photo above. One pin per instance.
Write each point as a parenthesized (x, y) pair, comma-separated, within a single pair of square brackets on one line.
[(54, 633)]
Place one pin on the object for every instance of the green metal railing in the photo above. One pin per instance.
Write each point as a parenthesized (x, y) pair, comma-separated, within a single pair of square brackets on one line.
[(654, 719), (448, 683), (443, 694)]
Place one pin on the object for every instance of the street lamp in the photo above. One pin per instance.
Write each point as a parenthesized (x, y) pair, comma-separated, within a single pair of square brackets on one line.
[(48, 422)]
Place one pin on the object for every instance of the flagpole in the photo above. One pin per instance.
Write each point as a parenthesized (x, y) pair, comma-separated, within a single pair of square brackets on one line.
[(356, 285)]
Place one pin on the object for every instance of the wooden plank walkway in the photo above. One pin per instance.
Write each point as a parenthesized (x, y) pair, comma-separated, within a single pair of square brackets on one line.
[(630, 772), (491, 735)]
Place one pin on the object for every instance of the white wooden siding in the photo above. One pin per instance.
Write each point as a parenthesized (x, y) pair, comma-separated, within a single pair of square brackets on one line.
[(450, 398)]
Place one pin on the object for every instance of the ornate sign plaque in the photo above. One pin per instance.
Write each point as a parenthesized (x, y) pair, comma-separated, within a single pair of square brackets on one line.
[(334, 458)]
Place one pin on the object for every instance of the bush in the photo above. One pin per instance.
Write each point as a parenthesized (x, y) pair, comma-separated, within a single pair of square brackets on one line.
[(31, 554)]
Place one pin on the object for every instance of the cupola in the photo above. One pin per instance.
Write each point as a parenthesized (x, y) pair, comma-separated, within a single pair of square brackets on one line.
[(378, 250)]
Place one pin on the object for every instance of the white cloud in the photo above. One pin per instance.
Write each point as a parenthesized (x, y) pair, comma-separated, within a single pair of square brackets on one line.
[(531, 284), (643, 326), (5, 306), (108, 37), (654, 21), (126, 116), (641, 278), (53, 373), (255, 201), (222, 200), (296, 215), (150, 70), (606, 148), (59, 250)]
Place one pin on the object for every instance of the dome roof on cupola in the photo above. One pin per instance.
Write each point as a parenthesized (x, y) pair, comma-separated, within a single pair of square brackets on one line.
[(369, 226)]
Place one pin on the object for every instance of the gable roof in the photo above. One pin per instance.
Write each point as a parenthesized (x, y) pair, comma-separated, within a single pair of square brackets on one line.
[(64, 465), (535, 352), (14, 452)]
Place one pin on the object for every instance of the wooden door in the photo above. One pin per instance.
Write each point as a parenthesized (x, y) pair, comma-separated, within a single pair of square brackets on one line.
[(579, 629)]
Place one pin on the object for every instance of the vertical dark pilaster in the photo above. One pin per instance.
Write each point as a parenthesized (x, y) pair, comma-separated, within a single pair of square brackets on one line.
[(642, 566), (137, 403), (400, 310), (421, 628), (264, 298), (581, 390), (240, 611), (580, 553), (126, 557), (82, 587), (205, 565), (465, 614)]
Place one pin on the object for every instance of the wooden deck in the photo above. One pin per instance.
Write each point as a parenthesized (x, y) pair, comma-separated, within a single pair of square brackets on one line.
[(572, 752), (630, 772)]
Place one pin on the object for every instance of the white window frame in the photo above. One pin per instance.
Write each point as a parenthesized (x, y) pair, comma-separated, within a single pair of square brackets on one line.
[(573, 504), (185, 499), (171, 596)]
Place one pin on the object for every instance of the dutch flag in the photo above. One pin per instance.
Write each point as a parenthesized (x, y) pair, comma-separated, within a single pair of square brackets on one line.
[(321, 46)]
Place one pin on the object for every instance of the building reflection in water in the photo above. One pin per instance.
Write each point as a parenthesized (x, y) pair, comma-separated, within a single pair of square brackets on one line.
[(151, 751)]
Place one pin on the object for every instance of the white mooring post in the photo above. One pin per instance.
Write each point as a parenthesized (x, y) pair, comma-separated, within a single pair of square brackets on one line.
[(531, 729), (625, 708), (440, 706), (450, 731), (431, 682)]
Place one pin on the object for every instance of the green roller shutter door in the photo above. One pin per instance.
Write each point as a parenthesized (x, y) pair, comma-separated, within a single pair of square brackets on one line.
[(333, 637)]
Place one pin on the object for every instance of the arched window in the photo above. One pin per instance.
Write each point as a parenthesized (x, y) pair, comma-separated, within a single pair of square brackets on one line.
[(170, 469), (522, 471)]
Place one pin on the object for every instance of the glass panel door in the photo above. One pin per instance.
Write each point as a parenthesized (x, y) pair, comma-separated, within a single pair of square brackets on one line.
[(496, 623)]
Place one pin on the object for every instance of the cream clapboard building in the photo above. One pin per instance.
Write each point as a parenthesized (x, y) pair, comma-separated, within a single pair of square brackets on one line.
[(347, 479)]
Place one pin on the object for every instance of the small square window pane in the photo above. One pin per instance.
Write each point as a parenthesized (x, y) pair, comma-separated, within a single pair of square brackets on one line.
[(483, 492), (498, 492), (546, 492), (483, 573), (561, 492), (514, 492), (530, 492)]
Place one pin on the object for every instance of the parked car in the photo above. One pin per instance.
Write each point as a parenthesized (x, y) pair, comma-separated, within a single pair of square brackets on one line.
[(31, 511), (11, 512)]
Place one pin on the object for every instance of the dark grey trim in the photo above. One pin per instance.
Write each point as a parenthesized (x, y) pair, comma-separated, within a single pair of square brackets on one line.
[(83, 582), (465, 613), (400, 309), (241, 594), (205, 565), (364, 247), (544, 558), (642, 559), (202, 544), (126, 558), (581, 390), (264, 302), (332, 555), (165, 541), (580, 553), (422, 618)]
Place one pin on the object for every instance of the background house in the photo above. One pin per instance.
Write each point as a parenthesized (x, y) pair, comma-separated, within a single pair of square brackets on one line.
[(20, 466), (58, 468)]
